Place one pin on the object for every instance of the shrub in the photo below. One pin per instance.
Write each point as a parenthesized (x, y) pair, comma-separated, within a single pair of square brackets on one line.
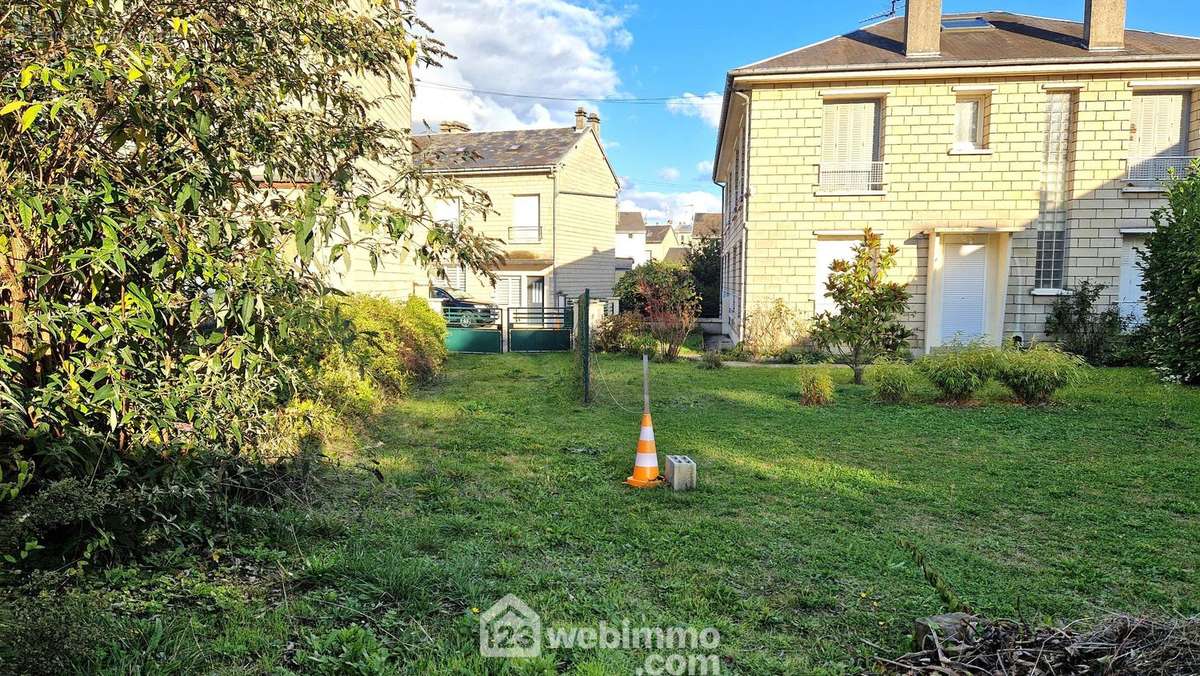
[(1080, 328), (396, 345), (867, 322), (704, 262), (631, 287), (816, 387), (643, 344), (1034, 375), (892, 381), (806, 356), (712, 360), (671, 307), (615, 333), (772, 329), (959, 371), (1171, 267), (1133, 348)]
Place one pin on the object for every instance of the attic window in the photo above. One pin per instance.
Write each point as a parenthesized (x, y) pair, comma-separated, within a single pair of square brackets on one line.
[(972, 24)]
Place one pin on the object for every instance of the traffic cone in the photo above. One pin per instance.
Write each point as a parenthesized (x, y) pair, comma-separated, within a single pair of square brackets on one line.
[(645, 468)]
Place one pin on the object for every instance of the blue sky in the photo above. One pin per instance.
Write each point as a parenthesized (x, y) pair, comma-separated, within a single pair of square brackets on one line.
[(589, 52)]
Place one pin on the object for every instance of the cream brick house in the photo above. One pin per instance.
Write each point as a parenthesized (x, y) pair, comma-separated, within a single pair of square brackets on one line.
[(555, 197), (1009, 157)]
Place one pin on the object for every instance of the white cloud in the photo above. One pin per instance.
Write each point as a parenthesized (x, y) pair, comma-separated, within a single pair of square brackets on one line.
[(706, 107), (542, 47), (704, 169), (660, 207), (669, 174)]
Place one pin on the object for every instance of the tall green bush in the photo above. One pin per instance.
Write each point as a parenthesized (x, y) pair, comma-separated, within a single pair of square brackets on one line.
[(959, 371), (892, 381), (1082, 328), (1171, 269), (704, 262), (1034, 375)]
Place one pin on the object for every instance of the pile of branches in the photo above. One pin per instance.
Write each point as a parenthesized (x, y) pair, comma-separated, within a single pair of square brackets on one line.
[(1118, 646)]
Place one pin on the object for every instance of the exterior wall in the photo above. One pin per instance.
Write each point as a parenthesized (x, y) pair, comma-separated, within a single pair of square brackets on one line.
[(927, 188), (734, 234), (659, 250), (587, 222), (632, 245)]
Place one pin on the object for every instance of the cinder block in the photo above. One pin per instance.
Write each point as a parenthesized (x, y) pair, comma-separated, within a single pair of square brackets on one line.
[(681, 472)]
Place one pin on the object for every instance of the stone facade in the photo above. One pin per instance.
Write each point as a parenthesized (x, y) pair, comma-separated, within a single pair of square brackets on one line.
[(776, 211)]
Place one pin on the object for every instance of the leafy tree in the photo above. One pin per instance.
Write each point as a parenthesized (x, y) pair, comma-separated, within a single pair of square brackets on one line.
[(664, 295), (175, 180), (704, 262), (657, 274), (1171, 268), (866, 324)]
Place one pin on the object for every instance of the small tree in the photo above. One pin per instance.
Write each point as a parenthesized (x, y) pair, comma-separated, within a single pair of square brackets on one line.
[(1171, 268), (869, 307), (704, 262), (669, 304)]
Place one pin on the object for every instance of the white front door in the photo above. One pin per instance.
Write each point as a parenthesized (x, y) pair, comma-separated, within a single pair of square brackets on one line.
[(1132, 304), (964, 290)]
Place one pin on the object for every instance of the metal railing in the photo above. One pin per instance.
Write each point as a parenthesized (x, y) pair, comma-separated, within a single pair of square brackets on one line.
[(472, 318), (842, 176), (540, 317), (1159, 169), (524, 235)]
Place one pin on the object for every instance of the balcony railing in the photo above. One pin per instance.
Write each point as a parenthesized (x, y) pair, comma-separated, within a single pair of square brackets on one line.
[(851, 176), (521, 235), (1153, 170)]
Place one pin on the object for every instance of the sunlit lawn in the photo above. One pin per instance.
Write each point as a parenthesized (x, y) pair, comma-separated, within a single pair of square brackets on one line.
[(496, 482)]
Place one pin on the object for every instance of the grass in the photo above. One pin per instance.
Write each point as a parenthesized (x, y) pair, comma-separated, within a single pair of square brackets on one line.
[(495, 482)]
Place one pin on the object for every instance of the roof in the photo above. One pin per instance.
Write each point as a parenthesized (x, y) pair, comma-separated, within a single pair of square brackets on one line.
[(676, 254), (706, 226), (492, 150), (1017, 38), (656, 234), (631, 221)]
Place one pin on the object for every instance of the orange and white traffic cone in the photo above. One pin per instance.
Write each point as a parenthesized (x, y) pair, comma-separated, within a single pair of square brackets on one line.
[(645, 467)]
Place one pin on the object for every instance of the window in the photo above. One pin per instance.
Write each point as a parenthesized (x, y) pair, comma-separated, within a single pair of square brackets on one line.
[(509, 291), (850, 154), (1050, 266), (828, 251), (970, 127), (527, 219), (1160, 135), (455, 279)]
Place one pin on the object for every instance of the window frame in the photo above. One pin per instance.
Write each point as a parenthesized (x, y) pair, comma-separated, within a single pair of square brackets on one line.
[(520, 234), (979, 140)]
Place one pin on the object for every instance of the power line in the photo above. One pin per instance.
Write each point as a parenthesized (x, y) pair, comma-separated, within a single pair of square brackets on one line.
[(685, 100)]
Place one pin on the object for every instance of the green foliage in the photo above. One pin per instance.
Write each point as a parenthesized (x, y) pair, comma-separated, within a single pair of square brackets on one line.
[(664, 294), (866, 324), (160, 291), (1171, 269), (396, 345), (816, 386), (892, 381), (616, 333), (1034, 375), (352, 650), (1080, 328), (704, 262), (809, 355), (959, 371), (712, 360)]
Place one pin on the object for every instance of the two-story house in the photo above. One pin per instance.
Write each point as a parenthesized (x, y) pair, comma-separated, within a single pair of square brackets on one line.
[(1009, 157), (630, 244), (554, 195)]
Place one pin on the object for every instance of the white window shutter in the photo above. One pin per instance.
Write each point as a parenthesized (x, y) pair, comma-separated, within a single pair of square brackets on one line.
[(508, 291), (1161, 122), (527, 215)]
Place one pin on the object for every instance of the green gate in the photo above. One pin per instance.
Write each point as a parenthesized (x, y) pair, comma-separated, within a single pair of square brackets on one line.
[(540, 329), (473, 330)]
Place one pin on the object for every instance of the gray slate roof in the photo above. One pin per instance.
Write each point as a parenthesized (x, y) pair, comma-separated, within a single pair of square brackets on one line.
[(631, 221), (525, 148), (655, 234), (1017, 38), (706, 226)]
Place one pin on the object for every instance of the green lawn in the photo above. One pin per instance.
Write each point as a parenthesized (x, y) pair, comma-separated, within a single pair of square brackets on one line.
[(495, 482)]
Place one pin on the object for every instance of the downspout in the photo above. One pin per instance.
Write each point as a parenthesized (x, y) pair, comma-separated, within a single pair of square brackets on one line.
[(745, 214), (554, 238)]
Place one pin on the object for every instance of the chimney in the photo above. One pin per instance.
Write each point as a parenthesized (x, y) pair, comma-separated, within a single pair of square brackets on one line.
[(594, 123), (580, 119), (1104, 25), (452, 127), (923, 28)]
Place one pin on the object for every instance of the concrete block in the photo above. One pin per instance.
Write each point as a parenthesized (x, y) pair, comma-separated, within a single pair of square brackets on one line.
[(681, 472)]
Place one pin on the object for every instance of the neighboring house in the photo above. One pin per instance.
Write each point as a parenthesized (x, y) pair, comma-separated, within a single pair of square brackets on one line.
[(706, 227), (631, 248), (661, 240), (555, 197), (1009, 158)]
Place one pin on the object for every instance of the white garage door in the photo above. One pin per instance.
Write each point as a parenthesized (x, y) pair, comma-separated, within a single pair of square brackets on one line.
[(1133, 305), (964, 291)]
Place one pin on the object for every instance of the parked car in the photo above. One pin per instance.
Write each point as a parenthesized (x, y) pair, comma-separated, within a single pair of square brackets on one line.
[(463, 312)]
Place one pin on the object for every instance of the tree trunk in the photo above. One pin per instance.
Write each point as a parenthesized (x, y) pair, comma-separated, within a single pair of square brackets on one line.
[(858, 366)]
